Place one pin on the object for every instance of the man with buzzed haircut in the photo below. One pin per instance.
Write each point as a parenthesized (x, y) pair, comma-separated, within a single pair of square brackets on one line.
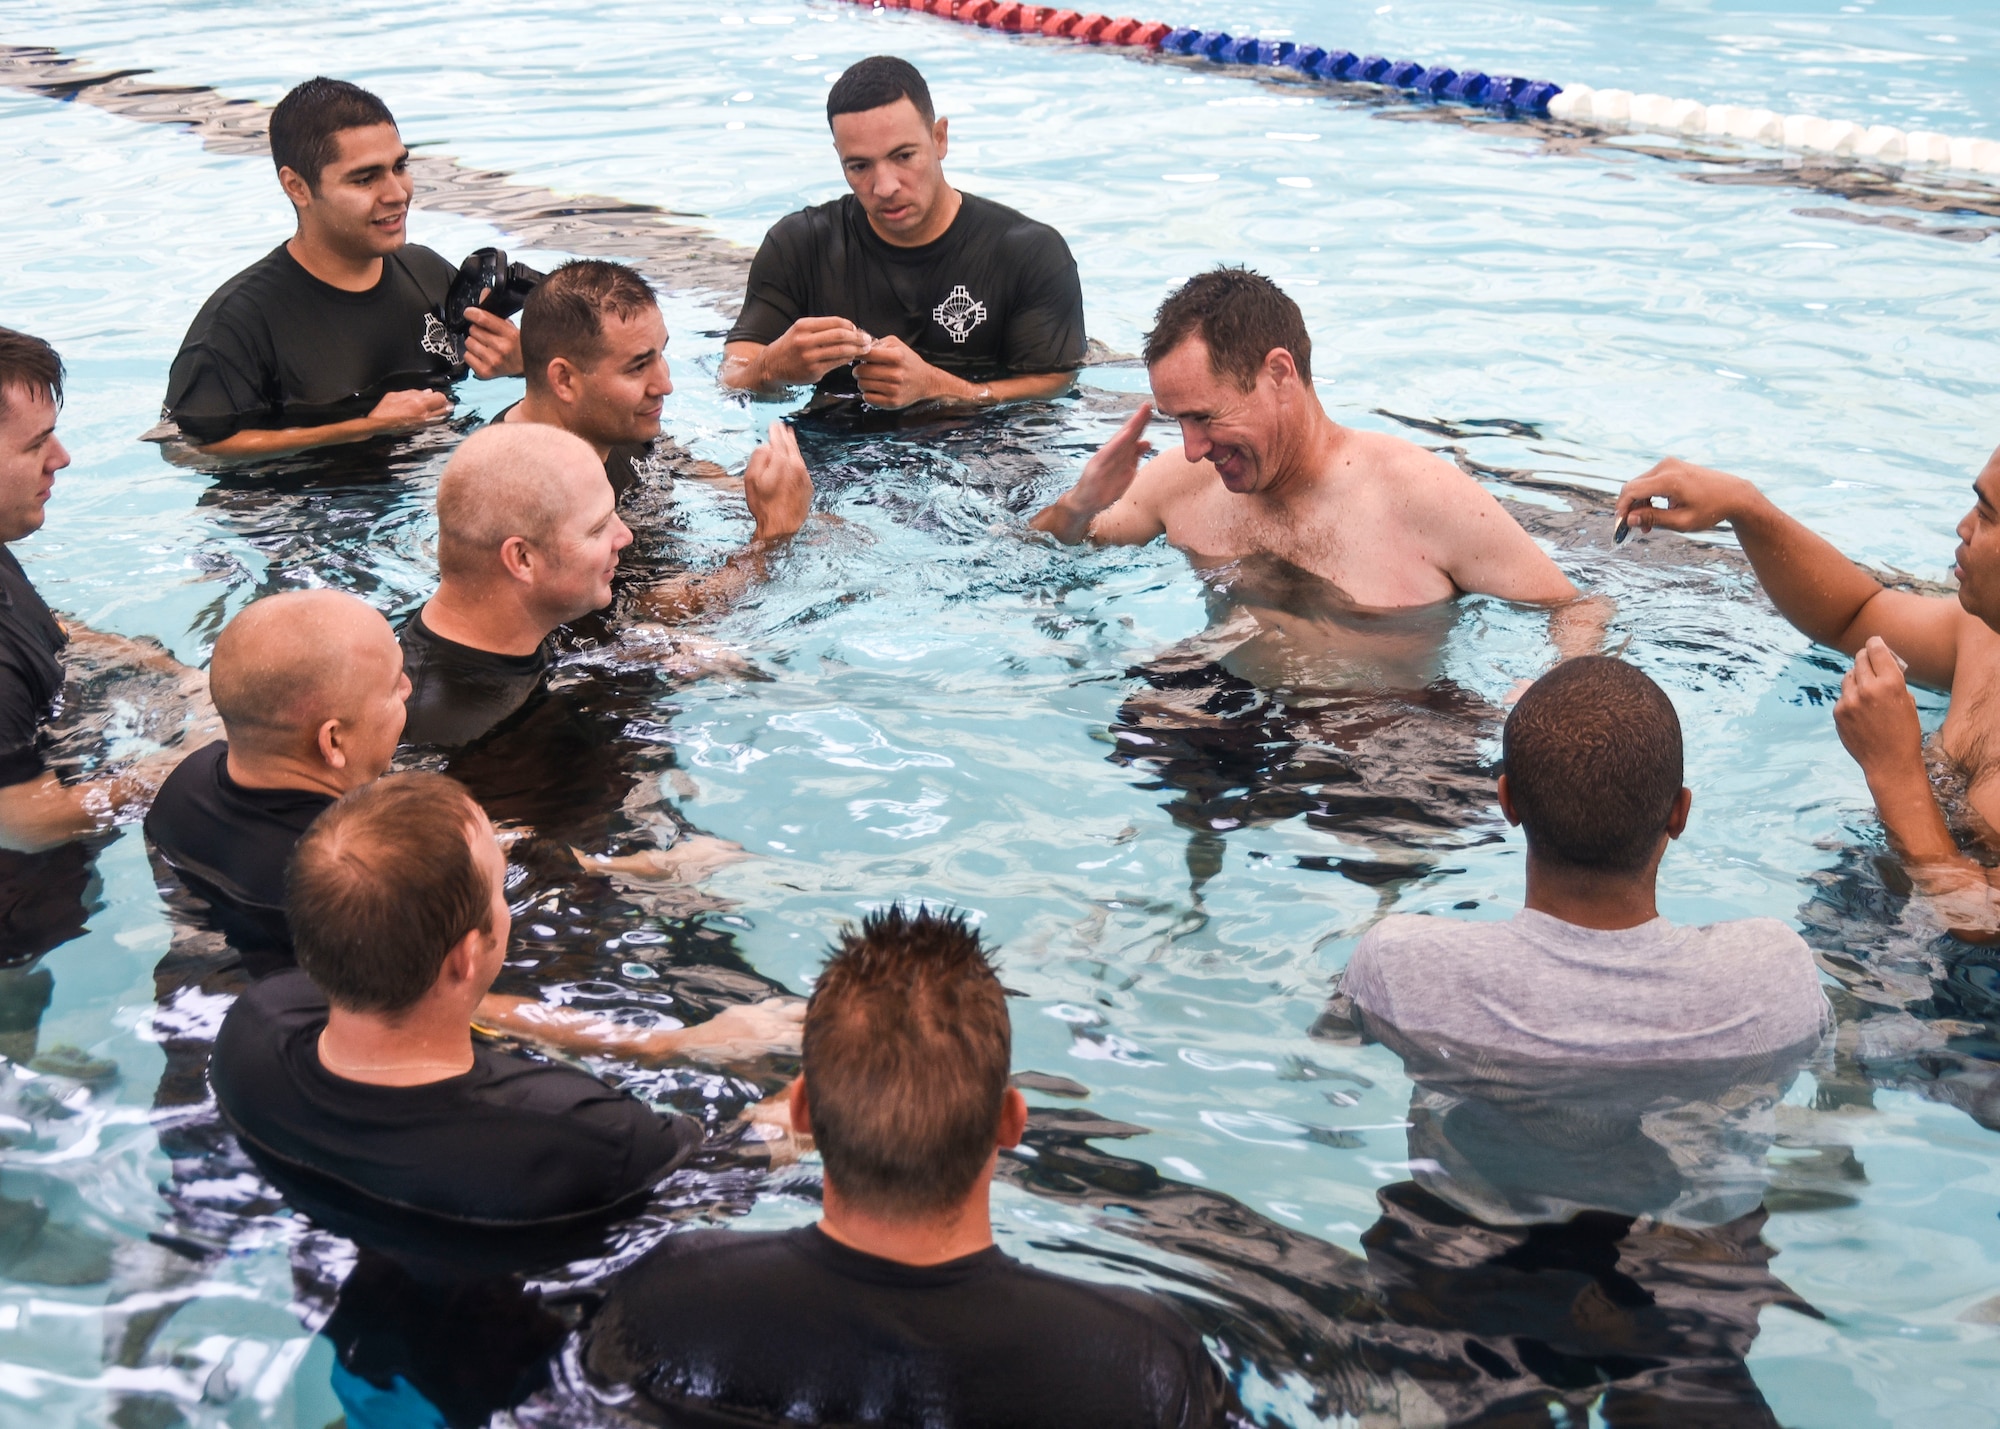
[(335, 335), (906, 290), (528, 540), (593, 341), (897, 1307), (1896, 638), (310, 687), (1591, 771), (1263, 471)]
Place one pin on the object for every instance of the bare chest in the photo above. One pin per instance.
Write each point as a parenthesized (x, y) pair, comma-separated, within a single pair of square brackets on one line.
[(1374, 561)]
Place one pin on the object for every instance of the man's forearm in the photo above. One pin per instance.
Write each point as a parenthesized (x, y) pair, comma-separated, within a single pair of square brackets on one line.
[(1813, 585), (278, 441), (1065, 519), (1577, 627), (45, 813), (1034, 387), (744, 368), (1909, 812)]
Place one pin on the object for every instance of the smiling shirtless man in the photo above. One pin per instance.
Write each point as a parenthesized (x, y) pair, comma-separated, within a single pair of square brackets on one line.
[(1262, 471), (1947, 644)]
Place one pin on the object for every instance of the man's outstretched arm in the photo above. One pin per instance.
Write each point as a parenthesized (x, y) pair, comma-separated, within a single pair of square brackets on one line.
[(1104, 491), (1828, 597), (740, 1033)]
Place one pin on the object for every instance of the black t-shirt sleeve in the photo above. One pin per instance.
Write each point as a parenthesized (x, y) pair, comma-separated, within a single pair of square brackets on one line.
[(20, 723), (220, 383), (775, 296), (1045, 321)]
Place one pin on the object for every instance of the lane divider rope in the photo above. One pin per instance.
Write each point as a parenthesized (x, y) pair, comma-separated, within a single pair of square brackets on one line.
[(1579, 104)]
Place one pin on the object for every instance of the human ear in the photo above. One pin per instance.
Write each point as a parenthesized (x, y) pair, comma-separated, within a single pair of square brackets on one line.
[(295, 187), (1280, 367), (517, 557), (330, 748), (795, 1098), (1013, 1120), (1507, 802), (941, 136), (1677, 821), (562, 379)]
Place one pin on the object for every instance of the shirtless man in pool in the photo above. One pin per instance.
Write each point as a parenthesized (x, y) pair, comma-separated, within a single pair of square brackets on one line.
[(1263, 472), (1946, 643)]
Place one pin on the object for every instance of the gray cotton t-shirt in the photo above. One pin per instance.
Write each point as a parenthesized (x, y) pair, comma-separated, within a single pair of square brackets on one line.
[(1537, 987)]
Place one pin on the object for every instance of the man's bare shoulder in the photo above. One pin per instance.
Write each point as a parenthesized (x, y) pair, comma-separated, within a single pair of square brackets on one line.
[(1380, 457)]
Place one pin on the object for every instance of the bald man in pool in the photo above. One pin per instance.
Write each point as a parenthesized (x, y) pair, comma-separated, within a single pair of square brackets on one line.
[(1263, 471), (1896, 637)]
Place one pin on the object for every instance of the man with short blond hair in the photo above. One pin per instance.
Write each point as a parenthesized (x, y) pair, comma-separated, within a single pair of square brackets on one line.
[(897, 1307), (528, 539)]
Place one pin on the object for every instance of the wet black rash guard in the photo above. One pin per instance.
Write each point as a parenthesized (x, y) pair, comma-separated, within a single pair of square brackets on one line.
[(229, 845), (996, 295), (42, 895), (513, 1142), (457, 693), (792, 1327), (275, 347)]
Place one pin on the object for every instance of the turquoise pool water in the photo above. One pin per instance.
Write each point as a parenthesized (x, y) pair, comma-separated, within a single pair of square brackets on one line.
[(943, 697)]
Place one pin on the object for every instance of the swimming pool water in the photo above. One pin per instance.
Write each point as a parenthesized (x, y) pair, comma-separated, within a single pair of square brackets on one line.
[(937, 718)]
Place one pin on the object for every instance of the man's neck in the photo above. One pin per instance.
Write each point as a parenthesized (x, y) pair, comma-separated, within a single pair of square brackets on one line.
[(495, 622), (264, 769), (429, 1043), (944, 213), (1588, 898), (1309, 462), (542, 409), (964, 1230), (331, 266)]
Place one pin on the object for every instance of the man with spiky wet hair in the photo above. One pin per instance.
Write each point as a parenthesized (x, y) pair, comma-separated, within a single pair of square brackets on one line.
[(897, 1307), (906, 290), (333, 336)]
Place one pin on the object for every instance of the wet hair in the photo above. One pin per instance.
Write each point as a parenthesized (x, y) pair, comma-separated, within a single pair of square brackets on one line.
[(30, 365), (306, 125), (564, 315), (1242, 317), (382, 886), (876, 81), (1592, 754), (907, 1049)]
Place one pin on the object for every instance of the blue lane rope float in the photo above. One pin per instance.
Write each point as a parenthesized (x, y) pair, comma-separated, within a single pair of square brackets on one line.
[(1604, 109)]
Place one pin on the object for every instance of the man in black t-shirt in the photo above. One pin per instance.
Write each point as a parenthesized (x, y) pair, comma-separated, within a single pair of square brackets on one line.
[(310, 687), (335, 335), (906, 290), (897, 1307), (360, 1068), (47, 853), (528, 539)]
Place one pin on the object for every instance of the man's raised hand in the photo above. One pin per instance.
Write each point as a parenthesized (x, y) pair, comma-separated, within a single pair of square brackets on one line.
[(1877, 717), (809, 349), (778, 486), (1698, 498)]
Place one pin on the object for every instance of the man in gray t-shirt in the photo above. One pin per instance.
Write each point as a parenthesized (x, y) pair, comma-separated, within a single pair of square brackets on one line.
[(1589, 970)]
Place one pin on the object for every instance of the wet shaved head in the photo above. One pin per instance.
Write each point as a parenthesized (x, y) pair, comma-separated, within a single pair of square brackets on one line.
[(510, 479), (288, 663)]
